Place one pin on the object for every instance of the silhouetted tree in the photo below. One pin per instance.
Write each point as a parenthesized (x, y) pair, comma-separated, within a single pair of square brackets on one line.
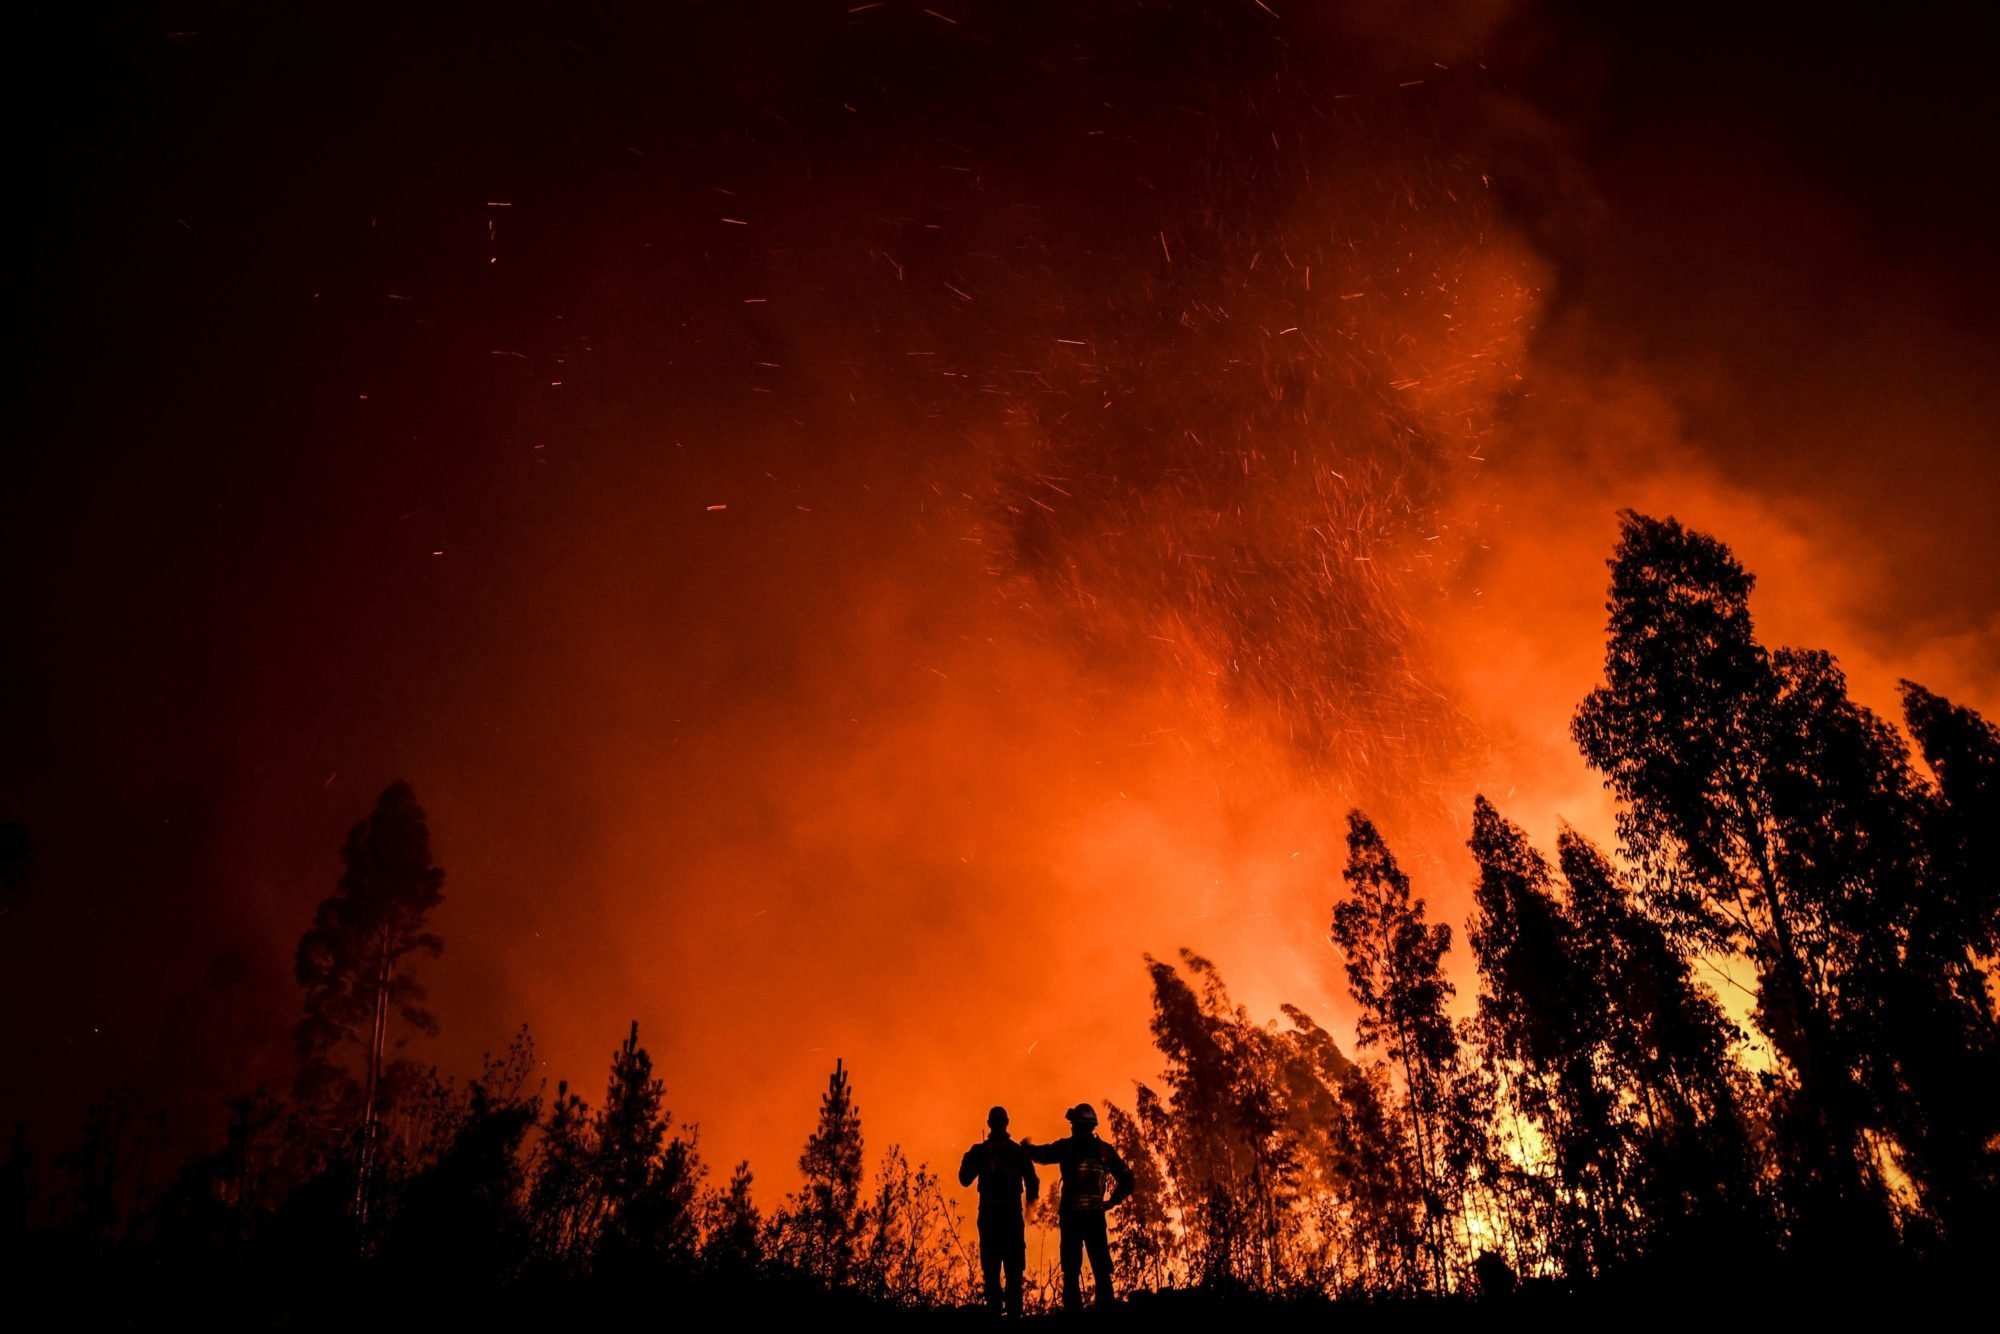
[(1234, 1172), (1608, 1122), (353, 961), (1277, 1164), (459, 1220), (1154, 1124), (908, 1259), (1541, 1023), (1771, 816), (630, 1127), (1378, 1205), (1142, 1227), (108, 1167), (648, 1183), (1394, 964), (1960, 923), (1668, 1053), (822, 1223), (562, 1199), (1946, 1043), (218, 1202), (735, 1230)]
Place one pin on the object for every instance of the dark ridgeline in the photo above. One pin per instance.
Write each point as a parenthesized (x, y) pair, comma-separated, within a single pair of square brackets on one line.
[(1597, 1127)]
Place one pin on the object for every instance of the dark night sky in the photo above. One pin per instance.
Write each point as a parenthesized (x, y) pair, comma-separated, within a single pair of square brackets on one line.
[(315, 483)]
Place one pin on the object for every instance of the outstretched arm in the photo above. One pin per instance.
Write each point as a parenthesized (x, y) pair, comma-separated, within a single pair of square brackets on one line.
[(1041, 1153)]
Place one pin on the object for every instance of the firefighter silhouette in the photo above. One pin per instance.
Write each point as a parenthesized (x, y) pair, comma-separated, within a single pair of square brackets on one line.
[(1004, 1174), (1094, 1180)]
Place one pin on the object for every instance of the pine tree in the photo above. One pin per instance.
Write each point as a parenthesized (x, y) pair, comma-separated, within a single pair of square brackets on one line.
[(563, 1197), (735, 1229), (824, 1222), (648, 1180), (354, 963), (631, 1126)]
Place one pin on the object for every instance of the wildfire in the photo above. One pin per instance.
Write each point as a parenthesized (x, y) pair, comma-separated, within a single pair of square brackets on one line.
[(935, 511)]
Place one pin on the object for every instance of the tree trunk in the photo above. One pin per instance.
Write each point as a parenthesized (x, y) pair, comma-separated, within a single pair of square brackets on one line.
[(374, 1087)]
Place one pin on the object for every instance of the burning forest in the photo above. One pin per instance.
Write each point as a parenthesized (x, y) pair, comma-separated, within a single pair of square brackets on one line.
[(876, 553)]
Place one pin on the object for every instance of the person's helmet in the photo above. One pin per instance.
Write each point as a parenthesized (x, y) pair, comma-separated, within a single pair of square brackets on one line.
[(997, 1119), (1083, 1116)]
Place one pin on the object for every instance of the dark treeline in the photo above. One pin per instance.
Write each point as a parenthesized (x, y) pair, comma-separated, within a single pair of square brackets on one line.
[(1594, 1121)]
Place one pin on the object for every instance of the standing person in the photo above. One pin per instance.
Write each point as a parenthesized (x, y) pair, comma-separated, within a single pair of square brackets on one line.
[(1004, 1174), (1087, 1162)]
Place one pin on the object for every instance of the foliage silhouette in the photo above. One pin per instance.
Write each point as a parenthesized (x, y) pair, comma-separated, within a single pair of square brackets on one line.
[(1394, 961), (819, 1228), (352, 965), (1598, 1126)]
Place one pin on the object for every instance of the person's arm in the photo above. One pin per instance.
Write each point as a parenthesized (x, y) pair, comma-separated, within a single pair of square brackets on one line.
[(968, 1166), (1121, 1174), (1030, 1178), (1042, 1153)]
